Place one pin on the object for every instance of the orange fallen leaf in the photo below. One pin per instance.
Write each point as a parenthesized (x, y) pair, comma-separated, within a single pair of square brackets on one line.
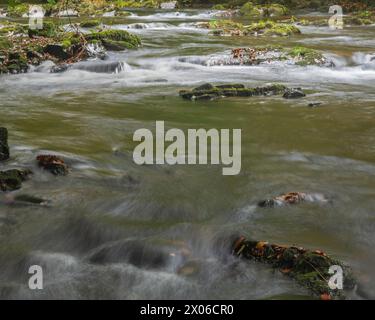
[(238, 243), (325, 296), (286, 270), (260, 245)]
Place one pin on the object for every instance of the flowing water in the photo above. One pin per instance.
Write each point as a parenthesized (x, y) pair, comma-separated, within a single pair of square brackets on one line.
[(117, 230)]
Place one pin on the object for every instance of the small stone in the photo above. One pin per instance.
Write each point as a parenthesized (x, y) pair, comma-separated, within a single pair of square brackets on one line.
[(293, 198), (4, 148), (53, 164), (59, 68), (314, 104)]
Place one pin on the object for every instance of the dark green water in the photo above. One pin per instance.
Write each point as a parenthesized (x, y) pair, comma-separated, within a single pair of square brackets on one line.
[(90, 118)]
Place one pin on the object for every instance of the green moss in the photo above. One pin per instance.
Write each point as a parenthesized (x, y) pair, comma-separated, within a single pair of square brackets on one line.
[(271, 28), (122, 13), (90, 23), (69, 38), (137, 4), (224, 24), (249, 10), (118, 38), (5, 44), (259, 11), (66, 43), (306, 56), (50, 30), (218, 7), (18, 10), (281, 29), (277, 10)]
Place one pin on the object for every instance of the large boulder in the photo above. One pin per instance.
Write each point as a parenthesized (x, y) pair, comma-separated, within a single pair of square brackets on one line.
[(310, 268), (4, 148), (115, 40), (249, 10)]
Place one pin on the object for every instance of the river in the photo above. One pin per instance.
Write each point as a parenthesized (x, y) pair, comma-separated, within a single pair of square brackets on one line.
[(107, 203)]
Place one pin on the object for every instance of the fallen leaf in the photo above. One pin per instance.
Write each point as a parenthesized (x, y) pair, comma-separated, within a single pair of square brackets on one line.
[(325, 296)]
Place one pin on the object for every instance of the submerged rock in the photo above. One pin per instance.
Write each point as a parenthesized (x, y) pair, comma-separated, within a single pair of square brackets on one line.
[(314, 104), (59, 68), (263, 56), (209, 92), (294, 93), (142, 254), (53, 164), (91, 66), (25, 200), (100, 67), (11, 180), (4, 148), (310, 268), (293, 198)]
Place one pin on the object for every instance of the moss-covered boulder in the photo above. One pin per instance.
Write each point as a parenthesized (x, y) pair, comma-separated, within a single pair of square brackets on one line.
[(223, 27), (270, 28), (306, 56), (310, 268), (210, 92), (115, 39), (249, 10), (4, 148), (263, 27), (11, 180)]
